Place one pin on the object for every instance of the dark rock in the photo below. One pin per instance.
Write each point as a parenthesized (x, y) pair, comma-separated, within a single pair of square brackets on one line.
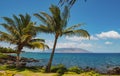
[(22, 64), (114, 71), (87, 69), (11, 60)]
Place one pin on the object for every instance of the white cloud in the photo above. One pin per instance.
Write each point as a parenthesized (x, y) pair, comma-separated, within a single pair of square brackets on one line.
[(109, 34), (93, 38), (108, 43), (76, 38)]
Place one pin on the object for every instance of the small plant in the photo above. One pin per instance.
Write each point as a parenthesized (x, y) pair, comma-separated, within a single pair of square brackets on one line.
[(75, 69)]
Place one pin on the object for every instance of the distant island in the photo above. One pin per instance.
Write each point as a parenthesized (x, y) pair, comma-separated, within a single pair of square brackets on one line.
[(70, 50)]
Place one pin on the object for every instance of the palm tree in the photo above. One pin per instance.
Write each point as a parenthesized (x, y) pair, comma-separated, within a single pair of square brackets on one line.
[(57, 24), (21, 32)]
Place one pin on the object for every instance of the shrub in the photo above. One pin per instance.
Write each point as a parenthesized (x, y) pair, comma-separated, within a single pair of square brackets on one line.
[(42, 69), (92, 73), (75, 69), (3, 55), (7, 50), (61, 69)]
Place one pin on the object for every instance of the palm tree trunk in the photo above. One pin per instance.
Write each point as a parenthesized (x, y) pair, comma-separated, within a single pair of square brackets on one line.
[(51, 57), (20, 47), (18, 60)]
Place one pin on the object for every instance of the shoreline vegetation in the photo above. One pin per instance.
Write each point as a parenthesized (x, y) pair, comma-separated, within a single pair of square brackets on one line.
[(7, 66)]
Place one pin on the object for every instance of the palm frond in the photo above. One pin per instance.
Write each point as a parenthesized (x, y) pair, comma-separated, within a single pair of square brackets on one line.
[(29, 29), (48, 17), (25, 19), (56, 16), (37, 44), (8, 20), (6, 37), (42, 19), (18, 24), (73, 27), (11, 29), (70, 3), (25, 38), (45, 29), (65, 16), (50, 22), (79, 32), (35, 40), (47, 20)]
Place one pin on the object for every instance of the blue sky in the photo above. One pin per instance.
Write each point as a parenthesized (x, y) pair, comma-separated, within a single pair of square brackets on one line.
[(102, 19)]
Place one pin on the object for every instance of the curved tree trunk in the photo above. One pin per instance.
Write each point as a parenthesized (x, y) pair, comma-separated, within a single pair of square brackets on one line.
[(51, 57), (18, 60)]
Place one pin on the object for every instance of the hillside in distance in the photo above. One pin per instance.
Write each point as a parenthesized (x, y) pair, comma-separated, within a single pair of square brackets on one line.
[(70, 50)]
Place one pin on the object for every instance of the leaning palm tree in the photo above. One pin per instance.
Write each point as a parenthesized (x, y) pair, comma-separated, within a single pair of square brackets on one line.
[(57, 24), (21, 32)]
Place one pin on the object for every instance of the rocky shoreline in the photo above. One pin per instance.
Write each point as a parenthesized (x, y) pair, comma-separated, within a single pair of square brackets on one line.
[(11, 60)]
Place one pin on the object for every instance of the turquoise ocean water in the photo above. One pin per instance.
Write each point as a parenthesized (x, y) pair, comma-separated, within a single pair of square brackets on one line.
[(94, 60)]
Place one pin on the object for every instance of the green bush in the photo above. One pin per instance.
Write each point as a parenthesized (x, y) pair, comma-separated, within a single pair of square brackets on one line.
[(92, 73), (3, 55), (7, 50), (75, 69), (61, 69), (42, 69)]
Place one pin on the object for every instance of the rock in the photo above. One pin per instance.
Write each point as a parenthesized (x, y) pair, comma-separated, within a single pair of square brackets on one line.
[(2, 61), (11, 60), (22, 64), (114, 70)]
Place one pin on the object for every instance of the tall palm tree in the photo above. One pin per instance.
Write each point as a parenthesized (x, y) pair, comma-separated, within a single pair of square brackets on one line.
[(57, 24), (21, 32)]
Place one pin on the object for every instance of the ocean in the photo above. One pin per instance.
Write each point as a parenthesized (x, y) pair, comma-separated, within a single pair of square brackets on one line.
[(94, 60)]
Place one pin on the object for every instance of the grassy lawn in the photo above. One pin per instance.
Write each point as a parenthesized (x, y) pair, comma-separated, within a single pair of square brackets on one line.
[(31, 73), (37, 72)]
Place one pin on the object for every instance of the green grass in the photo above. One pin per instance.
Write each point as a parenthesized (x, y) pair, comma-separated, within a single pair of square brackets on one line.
[(31, 73), (27, 72)]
